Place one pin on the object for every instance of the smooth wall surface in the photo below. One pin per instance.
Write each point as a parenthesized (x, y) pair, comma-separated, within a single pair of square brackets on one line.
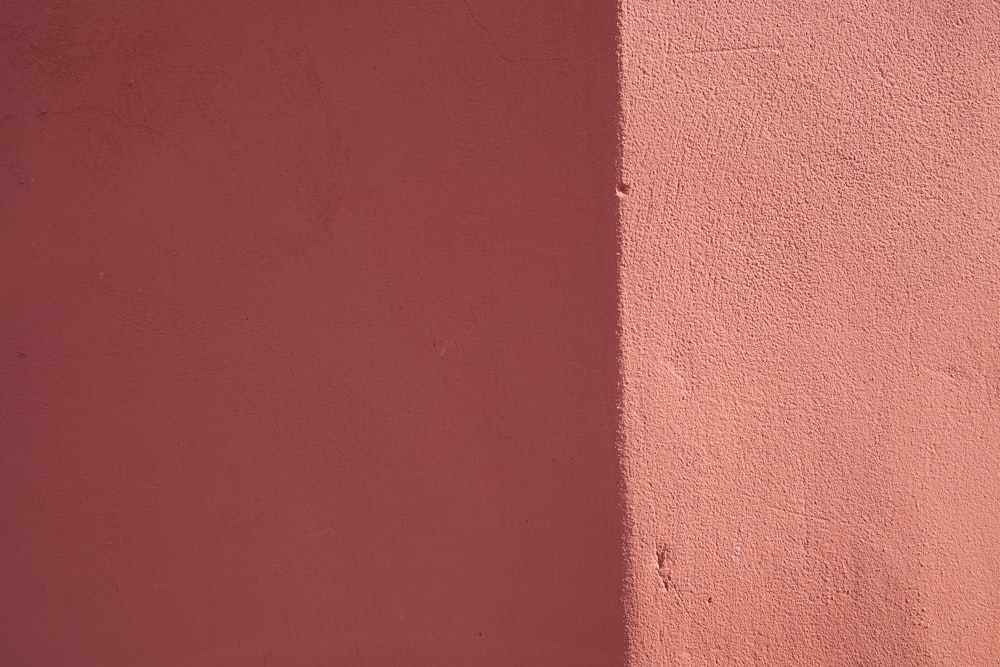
[(811, 360), (308, 334)]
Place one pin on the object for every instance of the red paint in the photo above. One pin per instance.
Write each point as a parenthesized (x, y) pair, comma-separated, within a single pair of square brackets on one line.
[(308, 334), (810, 316)]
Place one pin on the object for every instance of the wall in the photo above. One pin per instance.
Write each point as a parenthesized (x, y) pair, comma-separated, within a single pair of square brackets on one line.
[(320, 322), (810, 288), (308, 334)]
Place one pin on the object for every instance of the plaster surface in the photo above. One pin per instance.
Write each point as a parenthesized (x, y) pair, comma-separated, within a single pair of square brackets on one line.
[(309, 350), (810, 289), (307, 341)]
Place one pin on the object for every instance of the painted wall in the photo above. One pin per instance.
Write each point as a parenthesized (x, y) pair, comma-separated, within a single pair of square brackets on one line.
[(321, 321), (308, 334), (810, 298)]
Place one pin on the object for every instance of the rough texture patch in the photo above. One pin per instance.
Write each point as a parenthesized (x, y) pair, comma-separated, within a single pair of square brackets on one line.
[(811, 366)]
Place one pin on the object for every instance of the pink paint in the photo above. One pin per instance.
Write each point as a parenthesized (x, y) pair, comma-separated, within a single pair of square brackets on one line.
[(810, 287)]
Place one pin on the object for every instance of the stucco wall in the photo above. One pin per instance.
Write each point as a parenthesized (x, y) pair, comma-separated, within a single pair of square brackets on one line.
[(321, 322), (811, 361), (308, 334)]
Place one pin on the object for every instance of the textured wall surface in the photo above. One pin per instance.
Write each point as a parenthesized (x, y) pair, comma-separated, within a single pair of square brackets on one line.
[(307, 341), (308, 333), (810, 314)]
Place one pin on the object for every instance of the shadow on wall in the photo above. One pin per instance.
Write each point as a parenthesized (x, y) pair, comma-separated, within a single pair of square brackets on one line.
[(309, 334)]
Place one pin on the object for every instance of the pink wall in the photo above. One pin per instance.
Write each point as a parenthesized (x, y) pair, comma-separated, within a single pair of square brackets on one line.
[(308, 336), (811, 307), (320, 323)]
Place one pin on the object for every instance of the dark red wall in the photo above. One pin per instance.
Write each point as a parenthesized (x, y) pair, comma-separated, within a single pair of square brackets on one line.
[(307, 335)]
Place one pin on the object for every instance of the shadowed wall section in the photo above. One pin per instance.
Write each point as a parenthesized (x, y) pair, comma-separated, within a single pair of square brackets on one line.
[(308, 334)]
